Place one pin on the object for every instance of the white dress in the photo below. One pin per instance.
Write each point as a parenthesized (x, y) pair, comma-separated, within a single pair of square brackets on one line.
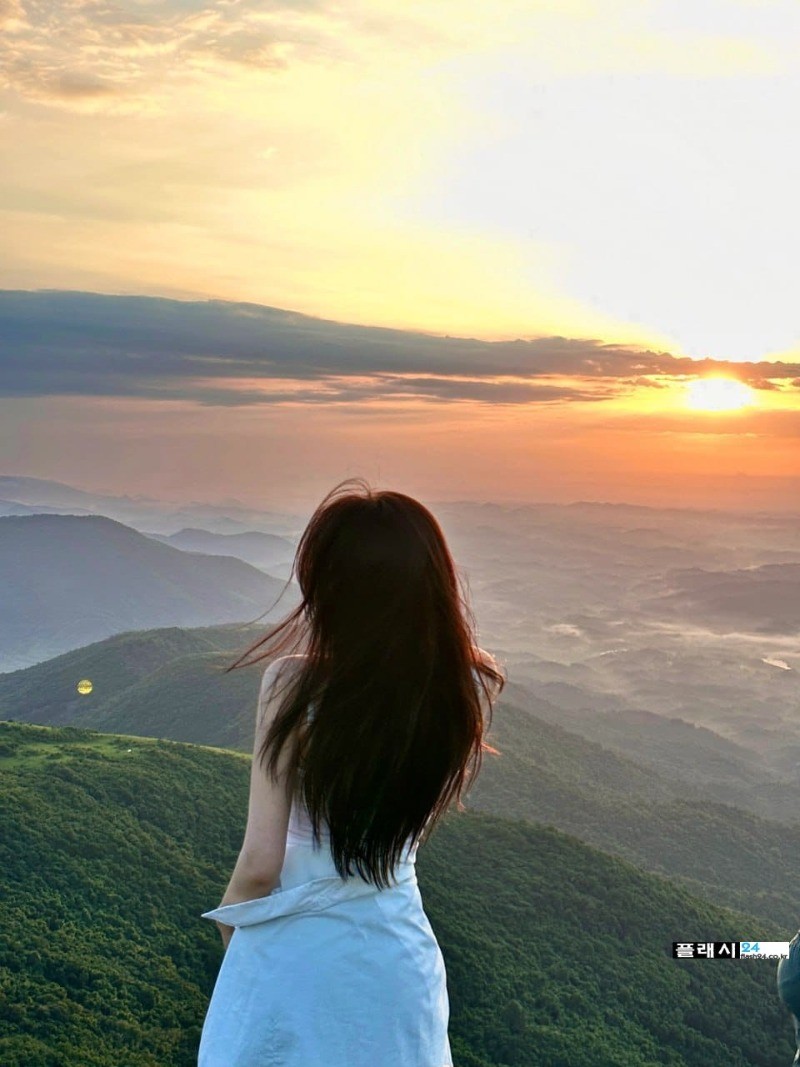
[(328, 972)]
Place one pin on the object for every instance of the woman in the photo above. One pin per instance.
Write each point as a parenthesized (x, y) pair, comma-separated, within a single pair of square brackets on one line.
[(363, 741)]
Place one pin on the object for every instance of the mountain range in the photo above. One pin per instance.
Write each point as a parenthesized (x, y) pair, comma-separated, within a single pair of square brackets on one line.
[(69, 580)]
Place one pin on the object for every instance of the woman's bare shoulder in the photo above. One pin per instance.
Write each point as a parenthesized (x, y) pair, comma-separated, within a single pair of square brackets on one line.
[(279, 669), (291, 662)]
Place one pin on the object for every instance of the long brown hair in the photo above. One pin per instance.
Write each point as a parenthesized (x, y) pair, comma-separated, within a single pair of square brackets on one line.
[(390, 661)]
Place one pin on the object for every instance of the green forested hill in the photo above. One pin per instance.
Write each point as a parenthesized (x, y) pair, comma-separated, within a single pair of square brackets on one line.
[(726, 855), (557, 955), (170, 683), (155, 661)]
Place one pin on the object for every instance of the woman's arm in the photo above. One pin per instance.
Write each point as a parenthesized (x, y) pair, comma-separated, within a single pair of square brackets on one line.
[(247, 883), (258, 868)]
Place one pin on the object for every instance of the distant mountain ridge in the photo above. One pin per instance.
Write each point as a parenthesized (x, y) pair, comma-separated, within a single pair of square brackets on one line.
[(673, 747), (70, 580), (762, 599), (143, 513), (13, 507), (30, 491), (261, 550)]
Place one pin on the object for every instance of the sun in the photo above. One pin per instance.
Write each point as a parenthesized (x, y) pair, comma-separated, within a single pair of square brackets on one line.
[(718, 394)]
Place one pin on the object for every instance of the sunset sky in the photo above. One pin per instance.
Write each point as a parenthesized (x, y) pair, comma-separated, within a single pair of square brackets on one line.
[(615, 177)]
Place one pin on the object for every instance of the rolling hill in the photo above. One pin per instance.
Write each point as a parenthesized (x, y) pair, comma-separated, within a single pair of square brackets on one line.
[(69, 580), (684, 751), (724, 854), (170, 684), (763, 600), (128, 664), (260, 550), (557, 955)]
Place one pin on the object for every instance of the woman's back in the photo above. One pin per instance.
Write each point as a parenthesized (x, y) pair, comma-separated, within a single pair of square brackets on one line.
[(305, 858)]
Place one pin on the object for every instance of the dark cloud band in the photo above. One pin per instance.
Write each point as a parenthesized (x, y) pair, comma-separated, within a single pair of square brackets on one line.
[(55, 342)]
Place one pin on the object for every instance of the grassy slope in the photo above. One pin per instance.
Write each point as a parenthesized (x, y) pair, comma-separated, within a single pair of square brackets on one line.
[(46, 692), (557, 954)]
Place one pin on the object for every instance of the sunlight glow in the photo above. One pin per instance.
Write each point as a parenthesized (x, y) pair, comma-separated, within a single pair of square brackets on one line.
[(719, 394)]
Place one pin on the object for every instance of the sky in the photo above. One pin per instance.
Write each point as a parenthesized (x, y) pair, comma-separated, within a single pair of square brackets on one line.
[(583, 179)]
